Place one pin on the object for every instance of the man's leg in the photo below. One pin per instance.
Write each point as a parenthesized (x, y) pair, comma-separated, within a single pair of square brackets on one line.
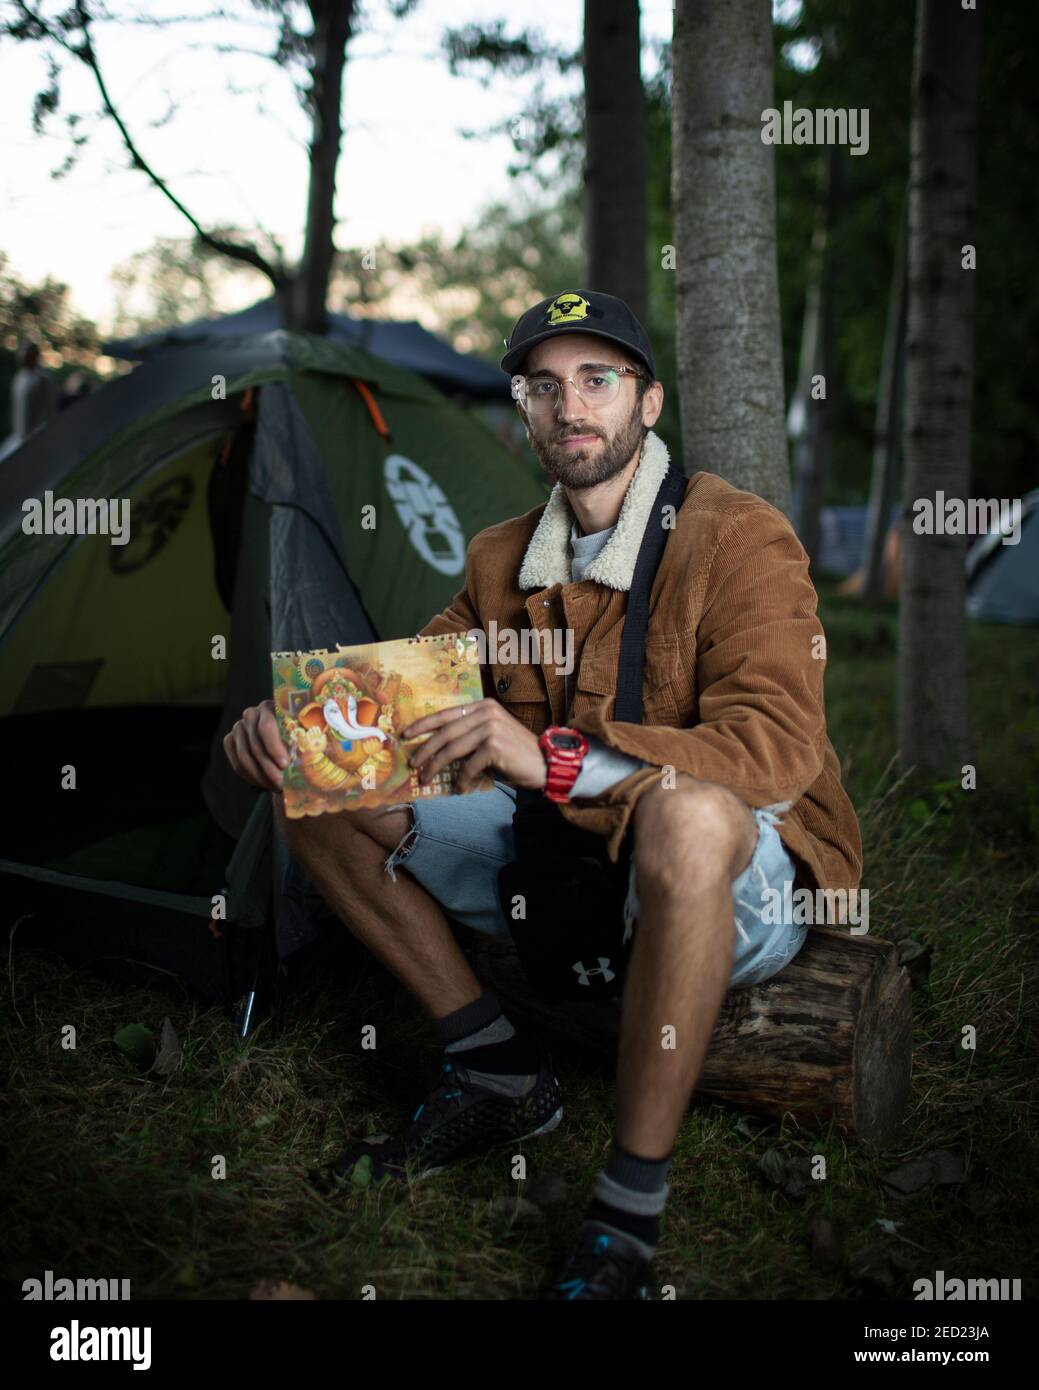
[(401, 924), (494, 1086), (691, 842)]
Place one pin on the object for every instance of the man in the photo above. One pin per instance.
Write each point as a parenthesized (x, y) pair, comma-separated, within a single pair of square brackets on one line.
[(33, 398), (728, 788), (33, 395)]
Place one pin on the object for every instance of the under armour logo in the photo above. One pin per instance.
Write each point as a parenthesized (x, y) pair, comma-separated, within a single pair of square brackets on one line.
[(603, 969)]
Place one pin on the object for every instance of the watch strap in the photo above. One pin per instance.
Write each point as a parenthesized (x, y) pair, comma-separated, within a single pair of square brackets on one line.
[(563, 765)]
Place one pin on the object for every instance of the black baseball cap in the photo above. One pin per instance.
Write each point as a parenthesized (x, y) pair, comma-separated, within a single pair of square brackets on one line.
[(579, 311)]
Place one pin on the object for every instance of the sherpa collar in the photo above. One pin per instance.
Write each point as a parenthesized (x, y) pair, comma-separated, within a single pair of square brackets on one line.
[(547, 558)]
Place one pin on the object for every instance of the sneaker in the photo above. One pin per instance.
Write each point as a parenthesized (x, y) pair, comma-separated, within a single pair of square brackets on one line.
[(603, 1266), (457, 1120)]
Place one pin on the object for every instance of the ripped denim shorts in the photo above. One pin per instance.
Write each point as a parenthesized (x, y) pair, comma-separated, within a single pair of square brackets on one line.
[(456, 845)]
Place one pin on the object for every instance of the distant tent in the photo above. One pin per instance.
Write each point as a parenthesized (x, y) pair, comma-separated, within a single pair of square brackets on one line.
[(406, 345), (842, 542), (248, 522), (1003, 579), (890, 564), (842, 538)]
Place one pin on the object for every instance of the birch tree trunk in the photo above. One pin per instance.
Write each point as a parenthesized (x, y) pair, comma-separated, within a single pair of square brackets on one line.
[(730, 364), (615, 153), (933, 728)]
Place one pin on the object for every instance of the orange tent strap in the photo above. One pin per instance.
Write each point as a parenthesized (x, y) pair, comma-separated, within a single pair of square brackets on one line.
[(373, 410)]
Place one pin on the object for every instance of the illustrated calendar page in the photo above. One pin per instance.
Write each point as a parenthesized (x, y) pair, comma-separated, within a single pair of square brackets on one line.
[(341, 712)]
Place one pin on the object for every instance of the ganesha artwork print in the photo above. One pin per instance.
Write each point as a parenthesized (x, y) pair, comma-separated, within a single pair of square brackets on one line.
[(340, 714)]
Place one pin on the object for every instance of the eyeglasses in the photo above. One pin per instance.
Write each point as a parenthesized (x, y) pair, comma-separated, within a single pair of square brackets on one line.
[(596, 386)]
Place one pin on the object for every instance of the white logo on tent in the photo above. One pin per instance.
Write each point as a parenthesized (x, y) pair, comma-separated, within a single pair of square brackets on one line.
[(425, 514)]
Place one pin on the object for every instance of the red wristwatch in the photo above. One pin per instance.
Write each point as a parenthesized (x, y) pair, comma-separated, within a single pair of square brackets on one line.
[(564, 751)]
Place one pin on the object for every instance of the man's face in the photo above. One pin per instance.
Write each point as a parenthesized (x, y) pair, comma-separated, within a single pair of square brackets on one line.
[(580, 444)]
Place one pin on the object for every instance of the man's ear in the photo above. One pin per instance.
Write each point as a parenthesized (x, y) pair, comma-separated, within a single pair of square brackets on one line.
[(652, 404)]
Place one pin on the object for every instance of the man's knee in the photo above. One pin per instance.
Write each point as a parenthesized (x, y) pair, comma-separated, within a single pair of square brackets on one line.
[(694, 826), (306, 836), (386, 825)]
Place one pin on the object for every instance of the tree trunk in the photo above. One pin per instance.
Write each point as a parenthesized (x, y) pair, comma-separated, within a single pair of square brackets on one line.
[(810, 415), (615, 153), (305, 301), (828, 1038), (886, 430), (933, 729), (730, 361)]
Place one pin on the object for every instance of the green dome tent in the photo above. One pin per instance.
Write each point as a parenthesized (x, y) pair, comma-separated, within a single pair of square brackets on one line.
[(285, 492), (1003, 573)]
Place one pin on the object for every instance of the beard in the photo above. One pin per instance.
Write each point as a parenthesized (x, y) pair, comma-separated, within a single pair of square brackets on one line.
[(588, 466)]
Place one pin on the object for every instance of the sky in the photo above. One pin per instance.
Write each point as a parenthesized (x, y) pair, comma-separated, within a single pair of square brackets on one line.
[(240, 158)]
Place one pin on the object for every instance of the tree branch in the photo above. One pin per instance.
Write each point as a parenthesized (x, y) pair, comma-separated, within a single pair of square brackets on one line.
[(239, 251)]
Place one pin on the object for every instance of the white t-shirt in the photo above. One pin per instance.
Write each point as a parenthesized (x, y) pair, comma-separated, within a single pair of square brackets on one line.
[(33, 401)]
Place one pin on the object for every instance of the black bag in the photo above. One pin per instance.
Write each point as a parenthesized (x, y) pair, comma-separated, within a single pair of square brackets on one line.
[(570, 938)]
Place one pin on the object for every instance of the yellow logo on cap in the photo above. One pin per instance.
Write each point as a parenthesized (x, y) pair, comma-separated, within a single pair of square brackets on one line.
[(567, 308)]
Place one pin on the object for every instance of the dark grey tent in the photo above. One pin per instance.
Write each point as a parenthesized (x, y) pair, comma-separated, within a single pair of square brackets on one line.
[(247, 464), (1002, 579), (405, 345), (842, 538)]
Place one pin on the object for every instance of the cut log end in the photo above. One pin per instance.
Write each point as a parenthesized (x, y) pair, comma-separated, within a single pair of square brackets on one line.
[(883, 1058)]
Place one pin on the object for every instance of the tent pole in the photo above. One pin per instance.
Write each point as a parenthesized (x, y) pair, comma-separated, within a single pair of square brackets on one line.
[(246, 1016)]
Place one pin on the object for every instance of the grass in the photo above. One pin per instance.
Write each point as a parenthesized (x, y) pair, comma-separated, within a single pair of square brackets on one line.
[(109, 1172)]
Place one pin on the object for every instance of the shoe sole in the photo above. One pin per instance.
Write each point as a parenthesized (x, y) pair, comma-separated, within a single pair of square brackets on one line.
[(546, 1128)]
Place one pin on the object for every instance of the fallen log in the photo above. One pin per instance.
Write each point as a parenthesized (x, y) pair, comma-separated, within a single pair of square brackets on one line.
[(829, 1037)]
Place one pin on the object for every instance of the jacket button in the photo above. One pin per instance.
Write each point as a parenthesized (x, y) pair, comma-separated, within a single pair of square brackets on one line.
[(546, 603), (504, 684)]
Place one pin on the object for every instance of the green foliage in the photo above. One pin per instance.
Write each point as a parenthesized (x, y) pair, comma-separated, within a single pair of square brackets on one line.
[(547, 133), (138, 1043), (475, 287), (485, 51), (177, 280), (660, 283), (865, 61), (40, 314)]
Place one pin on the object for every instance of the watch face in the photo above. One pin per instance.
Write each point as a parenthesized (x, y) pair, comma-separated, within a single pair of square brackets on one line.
[(565, 741)]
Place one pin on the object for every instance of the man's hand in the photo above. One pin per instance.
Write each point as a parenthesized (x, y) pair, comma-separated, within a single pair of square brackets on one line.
[(482, 735), (255, 749)]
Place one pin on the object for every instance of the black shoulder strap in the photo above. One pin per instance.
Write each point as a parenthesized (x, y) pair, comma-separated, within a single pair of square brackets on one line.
[(628, 705)]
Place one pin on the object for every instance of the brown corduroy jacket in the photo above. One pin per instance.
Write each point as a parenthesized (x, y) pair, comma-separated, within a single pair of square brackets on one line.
[(735, 656)]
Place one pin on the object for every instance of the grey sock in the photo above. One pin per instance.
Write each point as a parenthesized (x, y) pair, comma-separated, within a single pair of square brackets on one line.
[(635, 1173), (494, 1032), (498, 1031), (629, 1199), (456, 1027)]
